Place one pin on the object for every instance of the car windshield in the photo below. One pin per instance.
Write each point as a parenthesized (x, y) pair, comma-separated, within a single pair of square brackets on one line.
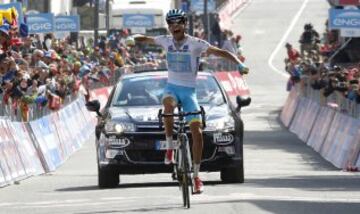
[(148, 91)]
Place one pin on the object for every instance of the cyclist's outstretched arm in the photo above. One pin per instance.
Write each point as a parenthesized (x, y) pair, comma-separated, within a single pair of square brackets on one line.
[(144, 39), (223, 53), (230, 56)]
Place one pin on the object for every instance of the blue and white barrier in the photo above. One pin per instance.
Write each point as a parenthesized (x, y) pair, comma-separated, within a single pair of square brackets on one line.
[(321, 128), (42, 145), (289, 108), (336, 136)]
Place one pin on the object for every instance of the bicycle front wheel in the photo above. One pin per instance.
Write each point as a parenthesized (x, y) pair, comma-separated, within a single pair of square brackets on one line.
[(186, 178)]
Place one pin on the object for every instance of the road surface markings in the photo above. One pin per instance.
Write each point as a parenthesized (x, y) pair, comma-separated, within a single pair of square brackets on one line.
[(204, 198), (284, 38)]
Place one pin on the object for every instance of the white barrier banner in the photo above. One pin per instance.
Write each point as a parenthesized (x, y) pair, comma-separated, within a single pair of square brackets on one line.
[(289, 108), (304, 118), (4, 168), (350, 148), (88, 119), (70, 120), (55, 132), (2, 179), (36, 126), (11, 154), (321, 128), (340, 142), (63, 133), (336, 129), (297, 122), (77, 122), (50, 136), (26, 148)]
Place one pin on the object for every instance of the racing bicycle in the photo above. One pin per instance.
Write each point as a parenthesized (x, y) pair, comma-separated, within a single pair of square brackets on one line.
[(183, 161)]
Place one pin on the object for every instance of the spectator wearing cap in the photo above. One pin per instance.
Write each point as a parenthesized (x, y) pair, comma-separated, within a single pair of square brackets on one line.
[(37, 59)]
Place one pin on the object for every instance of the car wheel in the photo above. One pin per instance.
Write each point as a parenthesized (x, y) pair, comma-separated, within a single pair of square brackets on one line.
[(233, 174), (107, 178)]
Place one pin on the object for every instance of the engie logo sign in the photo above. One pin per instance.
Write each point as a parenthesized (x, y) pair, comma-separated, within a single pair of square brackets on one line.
[(67, 23), (138, 20), (40, 23), (340, 19)]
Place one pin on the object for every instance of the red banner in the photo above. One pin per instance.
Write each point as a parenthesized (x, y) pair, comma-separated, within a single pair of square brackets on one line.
[(233, 83), (102, 94)]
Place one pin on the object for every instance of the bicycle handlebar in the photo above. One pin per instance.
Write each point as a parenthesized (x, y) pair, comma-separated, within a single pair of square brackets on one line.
[(182, 114)]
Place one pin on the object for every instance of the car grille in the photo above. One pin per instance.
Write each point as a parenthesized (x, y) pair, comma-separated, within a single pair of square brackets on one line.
[(148, 128), (145, 155), (143, 148), (154, 127)]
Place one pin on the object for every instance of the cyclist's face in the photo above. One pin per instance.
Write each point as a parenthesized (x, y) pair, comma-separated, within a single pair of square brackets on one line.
[(177, 29)]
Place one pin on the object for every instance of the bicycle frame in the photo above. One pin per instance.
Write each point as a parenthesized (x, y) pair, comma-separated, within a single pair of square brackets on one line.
[(183, 160)]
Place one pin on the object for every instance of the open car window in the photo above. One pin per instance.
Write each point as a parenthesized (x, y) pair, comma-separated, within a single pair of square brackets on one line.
[(148, 91)]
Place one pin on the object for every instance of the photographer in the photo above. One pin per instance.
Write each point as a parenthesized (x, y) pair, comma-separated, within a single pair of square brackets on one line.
[(309, 40)]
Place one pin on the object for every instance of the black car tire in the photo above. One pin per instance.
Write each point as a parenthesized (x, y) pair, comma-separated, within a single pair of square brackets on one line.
[(107, 178), (233, 174)]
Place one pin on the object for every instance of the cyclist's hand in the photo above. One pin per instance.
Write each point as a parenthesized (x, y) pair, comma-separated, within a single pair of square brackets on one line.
[(243, 69)]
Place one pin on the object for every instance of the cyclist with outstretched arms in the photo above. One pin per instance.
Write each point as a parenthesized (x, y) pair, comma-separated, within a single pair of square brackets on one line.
[(183, 56)]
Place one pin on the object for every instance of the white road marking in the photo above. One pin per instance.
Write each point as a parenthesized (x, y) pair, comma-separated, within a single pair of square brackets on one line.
[(121, 201), (250, 196), (284, 38)]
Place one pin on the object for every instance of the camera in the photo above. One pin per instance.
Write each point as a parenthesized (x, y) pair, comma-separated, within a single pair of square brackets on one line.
[(341, 86)]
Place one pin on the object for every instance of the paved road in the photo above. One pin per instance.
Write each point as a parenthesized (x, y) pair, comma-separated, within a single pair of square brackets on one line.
[(282, 174)]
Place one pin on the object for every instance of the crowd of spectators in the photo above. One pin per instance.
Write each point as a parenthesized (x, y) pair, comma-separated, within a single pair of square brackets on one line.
[(314, 66), (222, 38), (43, 72)]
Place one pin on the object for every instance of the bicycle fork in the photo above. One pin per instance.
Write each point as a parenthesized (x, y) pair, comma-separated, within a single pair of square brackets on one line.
[(184, 166)]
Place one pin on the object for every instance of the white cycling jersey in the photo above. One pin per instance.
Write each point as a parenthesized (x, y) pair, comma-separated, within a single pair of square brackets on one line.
[(182, 61)]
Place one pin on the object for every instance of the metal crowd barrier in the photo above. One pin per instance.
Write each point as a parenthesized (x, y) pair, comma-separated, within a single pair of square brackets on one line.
[(335, 99), (34, 112), (161, 65)]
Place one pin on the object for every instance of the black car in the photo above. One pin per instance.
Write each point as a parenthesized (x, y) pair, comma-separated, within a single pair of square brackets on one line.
[(130, 141)]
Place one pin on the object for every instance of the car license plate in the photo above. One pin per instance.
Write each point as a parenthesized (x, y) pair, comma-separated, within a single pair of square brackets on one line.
[(161, 145)]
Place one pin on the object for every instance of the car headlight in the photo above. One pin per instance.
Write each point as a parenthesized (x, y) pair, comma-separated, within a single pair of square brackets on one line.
[(220, 124), (118, 128)]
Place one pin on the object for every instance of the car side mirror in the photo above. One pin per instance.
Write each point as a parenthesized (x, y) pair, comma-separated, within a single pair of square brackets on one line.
[(242, 102), (93, 106)]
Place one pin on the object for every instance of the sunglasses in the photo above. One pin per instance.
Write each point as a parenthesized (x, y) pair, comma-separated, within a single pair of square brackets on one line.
[(176, 21)]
